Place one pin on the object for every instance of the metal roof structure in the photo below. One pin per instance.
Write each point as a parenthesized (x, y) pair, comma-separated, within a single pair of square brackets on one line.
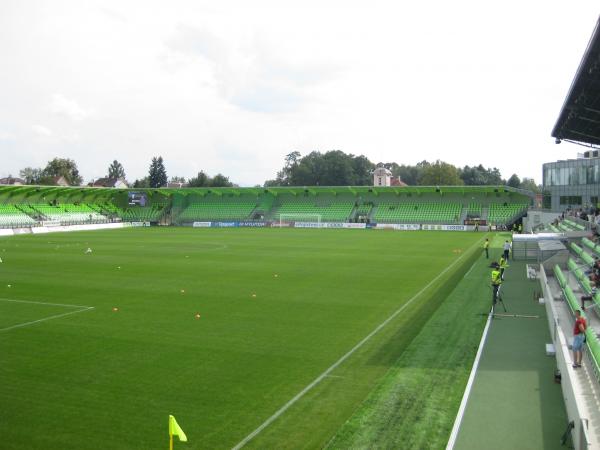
[(579, 118)]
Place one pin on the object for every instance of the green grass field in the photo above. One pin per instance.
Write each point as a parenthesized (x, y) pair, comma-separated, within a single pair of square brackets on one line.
[(277, 308)]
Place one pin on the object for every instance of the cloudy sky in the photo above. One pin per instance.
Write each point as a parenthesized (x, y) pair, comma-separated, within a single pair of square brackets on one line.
[(233, 86)]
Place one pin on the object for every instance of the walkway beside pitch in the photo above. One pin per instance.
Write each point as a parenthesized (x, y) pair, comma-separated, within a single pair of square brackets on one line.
[(514, 401)]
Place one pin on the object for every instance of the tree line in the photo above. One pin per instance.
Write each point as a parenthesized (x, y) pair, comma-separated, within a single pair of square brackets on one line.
[(156, 178), (332, 168), (336, 168)]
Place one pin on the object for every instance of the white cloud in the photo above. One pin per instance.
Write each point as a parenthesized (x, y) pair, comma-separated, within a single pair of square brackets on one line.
[(68, 108), (42, 131), (247, 71), (6, 136), (233, 86)]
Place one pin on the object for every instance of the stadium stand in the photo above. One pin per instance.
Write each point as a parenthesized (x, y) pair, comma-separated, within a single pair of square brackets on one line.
[(500, 206), (553, 228), (67, 213), (412, 212), (300, 208), (592, 341), (474, 210), (12, 217), (573, 225), (142, 214), (501, 213), (591, 246), (219, 208), (363, 210)]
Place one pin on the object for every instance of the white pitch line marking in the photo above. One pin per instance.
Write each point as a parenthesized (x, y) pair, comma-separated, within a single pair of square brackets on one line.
[(87, 308), (469, 271), (42, 303), (320, 378)]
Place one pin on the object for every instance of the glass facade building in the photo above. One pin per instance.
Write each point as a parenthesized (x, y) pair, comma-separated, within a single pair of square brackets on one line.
[(574, 183)]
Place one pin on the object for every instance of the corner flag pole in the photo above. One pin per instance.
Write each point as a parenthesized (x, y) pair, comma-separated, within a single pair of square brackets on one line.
[(175, 430)]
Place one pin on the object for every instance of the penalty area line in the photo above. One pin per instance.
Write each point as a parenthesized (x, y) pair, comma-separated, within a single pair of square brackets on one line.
[(33, 322), (80, 308), (12, 300), (331, 368)]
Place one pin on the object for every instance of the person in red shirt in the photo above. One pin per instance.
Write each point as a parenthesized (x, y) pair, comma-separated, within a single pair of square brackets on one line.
[(578, 339)]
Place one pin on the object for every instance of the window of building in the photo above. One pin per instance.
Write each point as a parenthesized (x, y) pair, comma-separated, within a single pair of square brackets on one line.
[(547, 200), (570, 199)]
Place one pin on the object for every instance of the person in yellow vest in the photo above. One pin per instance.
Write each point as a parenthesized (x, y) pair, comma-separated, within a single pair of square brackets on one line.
[(496, 283), (520, 228), (486, 247), (503, 264)]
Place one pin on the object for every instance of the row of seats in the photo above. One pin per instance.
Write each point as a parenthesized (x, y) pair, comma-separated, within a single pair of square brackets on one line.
[(330, 209), (474, 209), (585, 256), (593, 247), (418, 212), (574, 226), (302, 208), (584, 282), (592, 340), (564, 227), (363, 210), (502, 213), (142, 214), (67, 213), (11, 217), (220, 211)]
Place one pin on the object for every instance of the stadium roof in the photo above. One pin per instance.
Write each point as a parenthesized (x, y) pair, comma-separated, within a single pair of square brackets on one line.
[(579, 118), (87, 194)]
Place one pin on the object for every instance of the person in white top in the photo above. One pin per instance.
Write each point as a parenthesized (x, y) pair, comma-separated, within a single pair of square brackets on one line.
[(506, 248)]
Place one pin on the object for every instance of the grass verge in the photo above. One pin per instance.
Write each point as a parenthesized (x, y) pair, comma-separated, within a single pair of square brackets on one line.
[(415, 404)]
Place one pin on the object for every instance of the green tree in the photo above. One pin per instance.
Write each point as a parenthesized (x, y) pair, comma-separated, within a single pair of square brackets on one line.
[(440, 173), (529, 184), (116, 170), (200, 180), (157, 174), (332, 168), (363, 169), (31, 175), (177, 179), (142, 183), (271, 183), (220, 180), (514, 181), (480, 176), (63, 167), (408, 174)]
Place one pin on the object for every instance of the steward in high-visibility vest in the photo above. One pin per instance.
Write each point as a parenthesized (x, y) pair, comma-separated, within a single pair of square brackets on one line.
[(503, 265), (486, 247), (496, 282)]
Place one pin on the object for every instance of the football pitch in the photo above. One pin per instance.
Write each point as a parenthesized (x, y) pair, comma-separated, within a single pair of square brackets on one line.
[(282, 332)]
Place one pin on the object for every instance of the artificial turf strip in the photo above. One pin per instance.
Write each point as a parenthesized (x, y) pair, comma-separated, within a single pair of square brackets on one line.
[(415, 404), (514, 389), (108, 379)]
